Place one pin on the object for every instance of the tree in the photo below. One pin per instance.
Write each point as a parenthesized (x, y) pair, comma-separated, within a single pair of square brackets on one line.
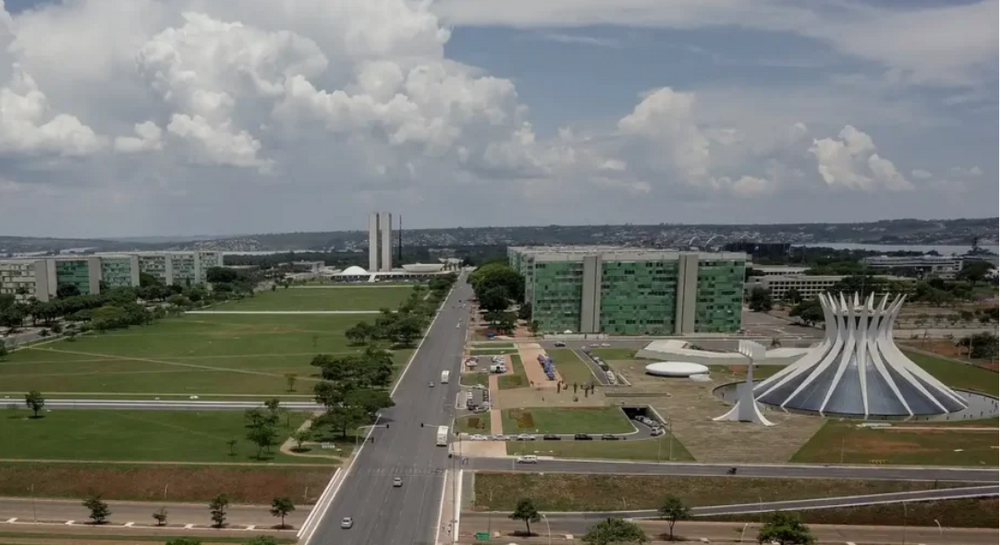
[(67, 290), (232, 446), (6, 301), (281, 507), (809, 312), (160, 515), (793, 296), (980, 346), (3, 350), (785, 528), (183, 541), (524, 311), (300, 437), (760, 300), (974, 272), (99, 510), (526, 511), (262, 540), (534, 326), (34, 401), (290, 379), (494, 299), (613, 531), (221, 275), (217, 509), (360, 333), (261, 429), (673, 509)]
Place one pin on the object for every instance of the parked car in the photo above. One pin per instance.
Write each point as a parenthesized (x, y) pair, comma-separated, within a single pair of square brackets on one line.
[(527, 459), (656, 432), (551, 437), (610, 437), (560, 344), (525, 437), (582, 437)]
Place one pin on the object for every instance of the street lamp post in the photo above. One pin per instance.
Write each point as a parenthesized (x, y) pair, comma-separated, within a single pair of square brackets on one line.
[(670, 430), (547, 527), (940, 529)]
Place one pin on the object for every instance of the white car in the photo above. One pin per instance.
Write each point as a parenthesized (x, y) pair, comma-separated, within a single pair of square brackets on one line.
[(346, 523), (525, 437), (478, 437), (605, 345), (397, 482), (527, 459)]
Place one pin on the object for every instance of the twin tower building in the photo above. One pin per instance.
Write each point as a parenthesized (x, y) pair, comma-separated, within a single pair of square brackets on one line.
[(379, 242)]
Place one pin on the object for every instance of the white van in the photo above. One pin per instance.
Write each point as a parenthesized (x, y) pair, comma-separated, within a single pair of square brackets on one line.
[(444, 376), (527, 459)]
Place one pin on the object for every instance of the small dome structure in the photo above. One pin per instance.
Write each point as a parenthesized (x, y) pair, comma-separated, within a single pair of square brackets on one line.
[(353, 270), (676, 369)]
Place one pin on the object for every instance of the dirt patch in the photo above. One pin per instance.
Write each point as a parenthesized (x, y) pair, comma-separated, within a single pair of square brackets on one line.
[(251, 485), (523, 418)]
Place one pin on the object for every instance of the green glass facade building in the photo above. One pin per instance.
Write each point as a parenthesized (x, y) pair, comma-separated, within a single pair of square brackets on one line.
[(624, 291)]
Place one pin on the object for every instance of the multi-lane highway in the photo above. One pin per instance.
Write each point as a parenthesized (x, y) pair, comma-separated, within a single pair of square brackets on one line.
[(791, 471), (408, 514)]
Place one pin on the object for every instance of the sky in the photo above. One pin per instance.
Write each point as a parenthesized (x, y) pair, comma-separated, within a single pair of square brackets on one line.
[(210, 117)]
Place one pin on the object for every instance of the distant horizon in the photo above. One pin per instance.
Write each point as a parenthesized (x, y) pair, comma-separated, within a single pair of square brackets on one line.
[(202, 236)]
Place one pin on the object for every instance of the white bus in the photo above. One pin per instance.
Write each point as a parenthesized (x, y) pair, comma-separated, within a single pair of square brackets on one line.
[(444, 376), (442, 437)]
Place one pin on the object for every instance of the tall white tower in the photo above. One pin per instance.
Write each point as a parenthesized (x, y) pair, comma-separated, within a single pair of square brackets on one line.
[(385, 225), (373, 225)]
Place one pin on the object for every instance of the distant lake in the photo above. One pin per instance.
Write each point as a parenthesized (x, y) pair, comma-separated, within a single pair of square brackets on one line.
[(941, 249)]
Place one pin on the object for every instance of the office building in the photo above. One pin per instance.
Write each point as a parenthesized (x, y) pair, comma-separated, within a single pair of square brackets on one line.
[(40, 278), (921, 266), (379, 242), (183, 268), (808, 286), (18, 277), (614, 290)]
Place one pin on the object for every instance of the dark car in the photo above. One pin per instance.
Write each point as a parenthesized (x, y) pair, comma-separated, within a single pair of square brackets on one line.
[(551, 437), (610, 437), (583, 437)]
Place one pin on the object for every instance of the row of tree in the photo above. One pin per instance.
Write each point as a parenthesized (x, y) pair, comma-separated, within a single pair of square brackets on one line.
[(355, 387), (780, 527), (498, 286)]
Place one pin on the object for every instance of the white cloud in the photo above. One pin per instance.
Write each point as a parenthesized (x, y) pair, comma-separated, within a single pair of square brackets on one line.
[(149, 138), (218, 143), (664, 120), (967, 171), (577, 39), (28, 125), (853, 163), (921, 174)]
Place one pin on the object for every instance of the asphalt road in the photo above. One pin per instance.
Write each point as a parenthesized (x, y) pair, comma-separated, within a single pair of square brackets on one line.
[(792, 471), (728, 532), (383, 514), (173, 405)]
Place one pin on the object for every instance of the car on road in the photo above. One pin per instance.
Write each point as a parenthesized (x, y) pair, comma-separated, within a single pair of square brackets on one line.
[(656, 432), (605, 345), (610, 437), (525, 437), (583, 437), (551, 437), (560, 344), (478, 437), (527, 459), (397, 482), (346, 523)]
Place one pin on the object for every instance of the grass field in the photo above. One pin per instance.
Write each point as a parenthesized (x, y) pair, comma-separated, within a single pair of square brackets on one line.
[(196, 354), (517, 379), (337, 298), (137, 436), (472, 379), (473, 423), (963, 513), (164, 482), (571, 368), (899, 446), (957, 375), (492, 351), (568, 492), (546, 420), (608, 354), (648, 450)]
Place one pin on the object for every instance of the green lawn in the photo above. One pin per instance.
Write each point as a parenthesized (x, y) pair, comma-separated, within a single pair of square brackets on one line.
[(516, 380), (133, 436), (132, 538), (474, 423), (191, 355), (958, 375), (583, 420), (652, 449), (492, 351), (919, 447), (608, 354), (571, 368), (471, 379), (334, 298)]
